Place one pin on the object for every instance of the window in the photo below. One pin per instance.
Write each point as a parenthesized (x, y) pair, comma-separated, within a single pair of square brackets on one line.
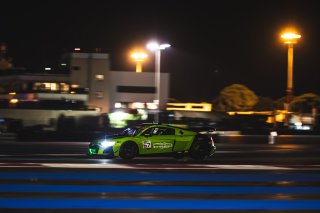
[(99, 94), (100, 77), (64, 87), (166, 131), (136, 89), (75, 68), (45, 86), (50, 87), (160, 131)]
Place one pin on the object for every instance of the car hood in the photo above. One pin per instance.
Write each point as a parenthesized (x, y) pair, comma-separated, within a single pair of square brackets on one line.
[(110, 137)]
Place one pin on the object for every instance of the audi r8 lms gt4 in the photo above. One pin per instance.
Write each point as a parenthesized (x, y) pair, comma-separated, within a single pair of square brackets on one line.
[(153, 139)]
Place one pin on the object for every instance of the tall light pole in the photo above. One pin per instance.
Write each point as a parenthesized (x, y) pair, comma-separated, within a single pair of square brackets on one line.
[(290, 38), (154, 46)]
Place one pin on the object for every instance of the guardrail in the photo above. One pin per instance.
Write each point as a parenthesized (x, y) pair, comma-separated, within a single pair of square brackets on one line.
[(8, 137), (268, 139)]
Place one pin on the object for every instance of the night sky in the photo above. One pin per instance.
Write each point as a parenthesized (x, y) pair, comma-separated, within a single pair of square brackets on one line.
[(214, 43)]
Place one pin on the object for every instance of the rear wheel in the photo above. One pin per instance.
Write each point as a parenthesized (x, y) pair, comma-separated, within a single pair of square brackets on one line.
[(178, 155), (128, 150), (198, 150)]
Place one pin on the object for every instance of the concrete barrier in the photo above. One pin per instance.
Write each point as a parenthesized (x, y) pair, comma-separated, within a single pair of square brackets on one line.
[(8, 137), (269, 139)]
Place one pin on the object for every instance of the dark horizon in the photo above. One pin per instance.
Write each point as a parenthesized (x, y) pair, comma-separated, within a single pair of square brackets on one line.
[(214, 44)]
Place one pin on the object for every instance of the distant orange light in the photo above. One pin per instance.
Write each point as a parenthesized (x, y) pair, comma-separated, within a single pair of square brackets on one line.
[(139, 56), (14, 101), (290, 36), (75, 86), (199, 107)]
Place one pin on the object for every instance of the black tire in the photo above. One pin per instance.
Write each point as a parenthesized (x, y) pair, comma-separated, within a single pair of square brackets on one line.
[(198, 150), (128, 150), (178, 155)]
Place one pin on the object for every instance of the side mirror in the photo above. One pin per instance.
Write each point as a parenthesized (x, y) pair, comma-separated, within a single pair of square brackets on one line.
[(181, 132)]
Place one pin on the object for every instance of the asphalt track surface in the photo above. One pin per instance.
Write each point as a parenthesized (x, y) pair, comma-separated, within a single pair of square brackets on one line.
[(241, 177)]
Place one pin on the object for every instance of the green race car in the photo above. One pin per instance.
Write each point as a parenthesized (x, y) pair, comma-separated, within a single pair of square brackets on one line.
[(153, 139)]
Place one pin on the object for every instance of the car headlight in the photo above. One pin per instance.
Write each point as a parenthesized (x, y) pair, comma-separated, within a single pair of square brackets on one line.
[(106, 143)]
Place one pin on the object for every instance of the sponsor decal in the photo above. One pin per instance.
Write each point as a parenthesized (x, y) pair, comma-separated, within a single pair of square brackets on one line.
[(162, 145), (146, 145)]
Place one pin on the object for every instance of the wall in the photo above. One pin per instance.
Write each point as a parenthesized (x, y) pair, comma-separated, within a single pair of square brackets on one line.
[(88, 66), (43, 117), (145, 79)]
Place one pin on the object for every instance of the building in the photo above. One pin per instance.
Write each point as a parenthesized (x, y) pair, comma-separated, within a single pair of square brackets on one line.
[(136, 90), (91, 72), (38, 91), (109, 89), (40, 99), (88, 87)]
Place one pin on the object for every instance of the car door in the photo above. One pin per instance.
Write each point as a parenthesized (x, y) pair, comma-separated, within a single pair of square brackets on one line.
[(183, 140), (158, 140)]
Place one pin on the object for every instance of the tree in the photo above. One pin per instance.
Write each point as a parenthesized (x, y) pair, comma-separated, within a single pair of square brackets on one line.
[(305, 102), (173, 100), (264, 104), (279, 103), (235, 97)]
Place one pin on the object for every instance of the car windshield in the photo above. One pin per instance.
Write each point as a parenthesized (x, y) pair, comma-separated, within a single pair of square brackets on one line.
[(132, 131)]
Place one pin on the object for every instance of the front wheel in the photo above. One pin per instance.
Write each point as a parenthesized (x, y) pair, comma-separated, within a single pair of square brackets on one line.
[(128, 150), (198, 150)]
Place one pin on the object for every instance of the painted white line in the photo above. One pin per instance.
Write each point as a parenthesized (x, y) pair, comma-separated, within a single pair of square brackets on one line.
[(105, 164), (252, 167), (165, 166), (86, 166), (42, 155), (21, 165)]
